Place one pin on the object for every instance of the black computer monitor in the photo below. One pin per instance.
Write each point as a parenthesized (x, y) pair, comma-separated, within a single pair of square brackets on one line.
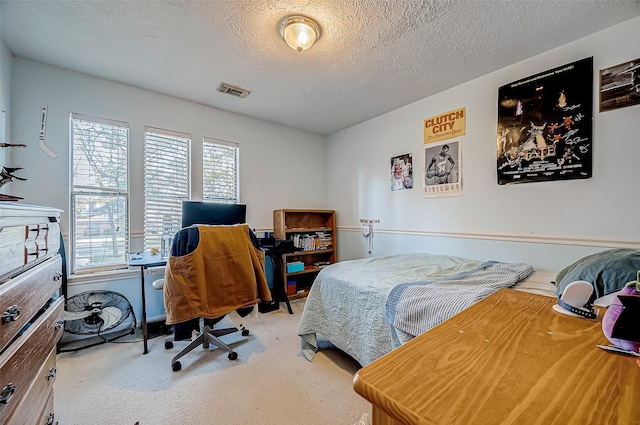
[(194, 212)]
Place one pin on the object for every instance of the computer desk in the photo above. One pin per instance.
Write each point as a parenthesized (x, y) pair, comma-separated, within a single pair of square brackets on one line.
[(148, 260)]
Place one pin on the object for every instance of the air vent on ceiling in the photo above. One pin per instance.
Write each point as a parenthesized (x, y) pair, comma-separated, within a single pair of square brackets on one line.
[(233, 90)]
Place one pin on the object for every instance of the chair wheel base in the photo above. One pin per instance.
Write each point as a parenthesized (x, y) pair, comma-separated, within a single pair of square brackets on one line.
[(168, 345), (233, 355), (176, 366), (245, 332)]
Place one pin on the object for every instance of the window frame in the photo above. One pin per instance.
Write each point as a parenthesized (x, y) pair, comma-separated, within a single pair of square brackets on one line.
[(115, 230)]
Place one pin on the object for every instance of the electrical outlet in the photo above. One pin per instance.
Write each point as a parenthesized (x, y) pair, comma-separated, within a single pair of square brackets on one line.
[(369, 220)]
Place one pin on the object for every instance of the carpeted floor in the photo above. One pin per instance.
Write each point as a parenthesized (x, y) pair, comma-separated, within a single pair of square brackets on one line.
[(270, 383)]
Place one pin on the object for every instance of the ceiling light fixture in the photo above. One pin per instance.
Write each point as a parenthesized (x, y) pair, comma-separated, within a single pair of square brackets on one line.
[(298, 31)]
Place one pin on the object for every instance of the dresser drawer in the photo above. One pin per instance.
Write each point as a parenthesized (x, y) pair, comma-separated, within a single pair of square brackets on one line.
[(23, 246), (47, 417), (22, 297), (41, 389), (12, 250), (22, 360)]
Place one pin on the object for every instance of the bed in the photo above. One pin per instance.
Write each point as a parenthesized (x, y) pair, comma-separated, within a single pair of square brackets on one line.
[(370, 306)]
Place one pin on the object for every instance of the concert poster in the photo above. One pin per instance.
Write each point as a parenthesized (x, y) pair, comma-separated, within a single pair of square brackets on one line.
[(545, 125)]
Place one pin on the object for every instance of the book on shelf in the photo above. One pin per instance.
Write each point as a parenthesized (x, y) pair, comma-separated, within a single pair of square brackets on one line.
[(312, 241)]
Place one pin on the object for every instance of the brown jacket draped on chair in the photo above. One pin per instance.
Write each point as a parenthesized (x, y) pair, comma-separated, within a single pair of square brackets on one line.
[(223, 273)]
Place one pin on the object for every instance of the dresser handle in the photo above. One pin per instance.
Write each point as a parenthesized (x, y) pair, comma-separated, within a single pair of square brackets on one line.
[(52, 373), (59, 323), (6, 394), (57, 276), (11, 315)]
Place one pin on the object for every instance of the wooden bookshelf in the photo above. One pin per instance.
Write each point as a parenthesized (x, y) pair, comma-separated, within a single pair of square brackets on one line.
[(313, 232)]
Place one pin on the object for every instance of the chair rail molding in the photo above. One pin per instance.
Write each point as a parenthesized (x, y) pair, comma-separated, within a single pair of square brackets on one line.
[(510, 237)]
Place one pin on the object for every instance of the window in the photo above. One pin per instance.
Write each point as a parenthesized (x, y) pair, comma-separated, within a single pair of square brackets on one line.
[(99, 198), (220, 171), (166, 182)]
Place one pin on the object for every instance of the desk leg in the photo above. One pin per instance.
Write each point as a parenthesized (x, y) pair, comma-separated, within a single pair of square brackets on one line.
[(144, 312), (286, 300), (279, 293)]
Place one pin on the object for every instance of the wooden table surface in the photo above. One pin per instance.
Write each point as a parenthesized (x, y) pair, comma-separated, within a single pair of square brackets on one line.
[(509, 359)]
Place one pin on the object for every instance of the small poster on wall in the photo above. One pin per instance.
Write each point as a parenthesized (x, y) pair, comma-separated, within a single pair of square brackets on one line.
[(445, 126), (620, 85), (442, 170), (401, 172), (545, 125)]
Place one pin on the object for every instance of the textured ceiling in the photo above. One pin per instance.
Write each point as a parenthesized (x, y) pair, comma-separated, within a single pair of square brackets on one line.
[(374, 55)]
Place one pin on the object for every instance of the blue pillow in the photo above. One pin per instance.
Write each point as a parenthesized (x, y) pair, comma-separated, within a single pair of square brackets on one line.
[(608, 271)]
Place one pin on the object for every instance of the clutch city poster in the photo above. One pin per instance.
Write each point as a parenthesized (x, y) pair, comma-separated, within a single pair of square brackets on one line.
[(545, 126), (442, 168)]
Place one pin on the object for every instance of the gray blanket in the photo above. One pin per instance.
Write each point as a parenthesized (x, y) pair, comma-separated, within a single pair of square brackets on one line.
[(416, 307), (346, 304)]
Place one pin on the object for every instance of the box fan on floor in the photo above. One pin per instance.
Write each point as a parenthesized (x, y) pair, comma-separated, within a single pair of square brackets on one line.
[(100, 316)]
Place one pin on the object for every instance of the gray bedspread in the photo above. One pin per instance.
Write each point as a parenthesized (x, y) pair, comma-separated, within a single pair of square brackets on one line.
[(346, 304)]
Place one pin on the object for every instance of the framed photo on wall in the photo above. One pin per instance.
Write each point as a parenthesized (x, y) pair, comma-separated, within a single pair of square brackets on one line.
[(401, 172), (620, 85), (545, 125)]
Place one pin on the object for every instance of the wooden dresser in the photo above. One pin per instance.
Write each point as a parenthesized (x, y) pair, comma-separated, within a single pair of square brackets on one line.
[(508, 359), (31, 308)]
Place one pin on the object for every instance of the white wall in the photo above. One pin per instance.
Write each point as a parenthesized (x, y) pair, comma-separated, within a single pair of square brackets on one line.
[(539, 223), (5, 101), (280, 167)]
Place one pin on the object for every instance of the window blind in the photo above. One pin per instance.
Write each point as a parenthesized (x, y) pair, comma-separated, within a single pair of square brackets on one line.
[(220, 170), (166, 182)]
